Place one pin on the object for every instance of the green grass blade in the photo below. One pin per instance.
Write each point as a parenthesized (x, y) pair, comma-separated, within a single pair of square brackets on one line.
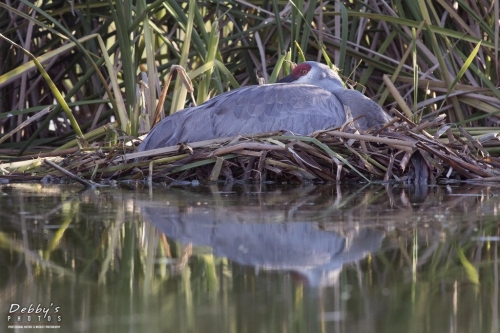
[(205, 83), (279, 28), (277, 68), (180, 91), (151, 69), (464, 68), (227, 73), (343, 42)]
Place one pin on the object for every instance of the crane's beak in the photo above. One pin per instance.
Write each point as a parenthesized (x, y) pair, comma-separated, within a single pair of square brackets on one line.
[(286, 79)]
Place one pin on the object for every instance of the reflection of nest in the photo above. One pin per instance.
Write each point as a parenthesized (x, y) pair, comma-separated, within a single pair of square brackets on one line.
[(404, 152), (338, 208)]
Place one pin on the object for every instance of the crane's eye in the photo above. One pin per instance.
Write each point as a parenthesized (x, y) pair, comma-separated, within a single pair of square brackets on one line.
[(303, 71)]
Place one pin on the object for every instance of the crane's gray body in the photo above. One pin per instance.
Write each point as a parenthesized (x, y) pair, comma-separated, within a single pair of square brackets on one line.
[(301, 106)]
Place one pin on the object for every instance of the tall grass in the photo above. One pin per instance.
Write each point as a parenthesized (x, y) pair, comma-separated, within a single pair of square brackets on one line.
[(109, 61)]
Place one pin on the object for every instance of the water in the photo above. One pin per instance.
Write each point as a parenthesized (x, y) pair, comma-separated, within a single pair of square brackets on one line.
[(249, 259)]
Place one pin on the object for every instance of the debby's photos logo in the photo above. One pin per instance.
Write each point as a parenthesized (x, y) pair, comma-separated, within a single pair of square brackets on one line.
[(34, 316)]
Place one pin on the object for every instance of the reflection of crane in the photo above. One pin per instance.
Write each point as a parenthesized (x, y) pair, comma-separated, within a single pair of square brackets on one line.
[(311, 98), (246, 233)]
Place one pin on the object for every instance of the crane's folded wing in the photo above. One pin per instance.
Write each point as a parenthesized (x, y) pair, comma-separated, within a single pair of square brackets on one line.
[(298, 108)]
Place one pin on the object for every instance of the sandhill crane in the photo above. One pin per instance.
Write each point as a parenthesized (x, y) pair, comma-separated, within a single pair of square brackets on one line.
[(311, 98)]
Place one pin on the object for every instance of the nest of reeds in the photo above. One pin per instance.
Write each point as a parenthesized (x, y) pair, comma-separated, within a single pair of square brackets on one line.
[(400, 152)]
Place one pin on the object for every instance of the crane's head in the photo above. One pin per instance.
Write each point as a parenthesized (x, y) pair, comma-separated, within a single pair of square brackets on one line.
[(314, 73)]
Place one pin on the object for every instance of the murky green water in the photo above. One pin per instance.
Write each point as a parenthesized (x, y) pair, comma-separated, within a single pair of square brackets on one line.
[(250, 259)]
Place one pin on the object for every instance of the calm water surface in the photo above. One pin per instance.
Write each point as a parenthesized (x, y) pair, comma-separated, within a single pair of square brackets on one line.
[(339, 258)]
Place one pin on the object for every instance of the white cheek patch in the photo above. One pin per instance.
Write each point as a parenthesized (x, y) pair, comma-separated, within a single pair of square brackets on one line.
[(304, 79)]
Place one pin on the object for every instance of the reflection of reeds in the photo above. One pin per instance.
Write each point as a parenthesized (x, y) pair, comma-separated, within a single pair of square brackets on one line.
[(428, 258), (110, 64)]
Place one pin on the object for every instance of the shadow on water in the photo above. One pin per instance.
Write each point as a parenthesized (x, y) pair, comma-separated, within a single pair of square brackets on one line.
[(333, 258)]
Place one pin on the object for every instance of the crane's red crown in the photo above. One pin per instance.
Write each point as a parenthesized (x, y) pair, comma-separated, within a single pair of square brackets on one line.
[(301, 70)]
